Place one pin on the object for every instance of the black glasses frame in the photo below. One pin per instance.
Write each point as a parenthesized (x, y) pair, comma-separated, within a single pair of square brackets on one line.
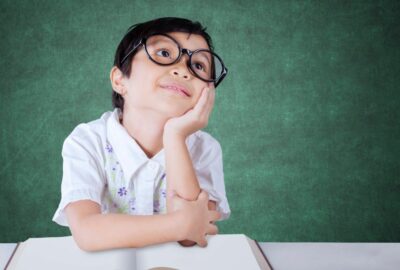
[(182, 51)]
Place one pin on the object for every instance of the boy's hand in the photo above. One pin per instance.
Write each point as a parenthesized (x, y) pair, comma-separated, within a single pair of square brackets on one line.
[(194, 119), (195, 221)]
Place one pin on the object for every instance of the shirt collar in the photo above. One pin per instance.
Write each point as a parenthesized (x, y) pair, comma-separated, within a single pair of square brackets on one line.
[(128, 152), (130, 155)]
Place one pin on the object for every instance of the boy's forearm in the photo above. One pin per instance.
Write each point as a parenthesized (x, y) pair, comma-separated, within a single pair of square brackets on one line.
[(108, 231), (179, 168), (180, 173)]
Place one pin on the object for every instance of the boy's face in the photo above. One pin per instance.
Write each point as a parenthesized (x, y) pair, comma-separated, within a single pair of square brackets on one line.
[(147, 86)]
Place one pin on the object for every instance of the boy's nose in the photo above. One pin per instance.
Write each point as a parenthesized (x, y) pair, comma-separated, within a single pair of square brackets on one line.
[(179, 72), (181, 69)]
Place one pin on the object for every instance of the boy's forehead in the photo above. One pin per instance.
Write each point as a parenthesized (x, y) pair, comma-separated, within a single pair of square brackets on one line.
[(189, 41)]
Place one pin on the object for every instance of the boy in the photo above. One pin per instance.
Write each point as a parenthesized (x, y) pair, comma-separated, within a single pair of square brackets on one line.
[(139, 175)]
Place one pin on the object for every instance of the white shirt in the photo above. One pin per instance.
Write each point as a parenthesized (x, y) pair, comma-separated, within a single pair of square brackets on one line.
[(103, 163)]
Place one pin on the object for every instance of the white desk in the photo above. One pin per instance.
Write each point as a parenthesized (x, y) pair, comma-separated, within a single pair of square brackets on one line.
[(5, 253), (311, 256)]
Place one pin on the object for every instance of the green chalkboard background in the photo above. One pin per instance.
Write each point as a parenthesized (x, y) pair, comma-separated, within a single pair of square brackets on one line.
[(308, 117)]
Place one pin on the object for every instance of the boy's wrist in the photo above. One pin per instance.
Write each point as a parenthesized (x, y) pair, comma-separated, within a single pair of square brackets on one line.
[(172, 136)]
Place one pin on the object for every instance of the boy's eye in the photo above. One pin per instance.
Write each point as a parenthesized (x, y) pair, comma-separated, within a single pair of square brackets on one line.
[(163, 53), (199, 66)]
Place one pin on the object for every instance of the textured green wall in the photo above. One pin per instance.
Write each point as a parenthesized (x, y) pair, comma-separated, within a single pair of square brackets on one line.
[(308, 117)]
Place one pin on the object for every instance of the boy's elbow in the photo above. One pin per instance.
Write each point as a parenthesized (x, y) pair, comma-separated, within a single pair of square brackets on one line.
[(82, 234), (78, 215), (83, 240), (88, 238), (83, 245), (87, 243)]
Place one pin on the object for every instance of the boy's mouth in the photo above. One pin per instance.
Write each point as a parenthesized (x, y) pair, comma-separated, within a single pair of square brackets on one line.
[(176, 87)]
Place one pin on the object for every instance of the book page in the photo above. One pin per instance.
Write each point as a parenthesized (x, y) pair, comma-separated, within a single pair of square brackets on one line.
[(62, 253), (224, 251)]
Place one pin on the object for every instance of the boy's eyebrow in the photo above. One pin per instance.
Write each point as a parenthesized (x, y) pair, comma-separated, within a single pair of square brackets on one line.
[(207, 49), (187, 38)]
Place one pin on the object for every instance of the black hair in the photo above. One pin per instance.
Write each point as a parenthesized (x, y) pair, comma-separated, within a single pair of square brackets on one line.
[(138, 31)]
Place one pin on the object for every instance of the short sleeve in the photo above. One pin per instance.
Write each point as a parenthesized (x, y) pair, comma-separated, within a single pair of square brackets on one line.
[(209, 172), (82, 178)]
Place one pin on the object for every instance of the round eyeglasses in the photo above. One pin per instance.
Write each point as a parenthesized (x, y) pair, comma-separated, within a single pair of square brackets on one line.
[(163, 50)]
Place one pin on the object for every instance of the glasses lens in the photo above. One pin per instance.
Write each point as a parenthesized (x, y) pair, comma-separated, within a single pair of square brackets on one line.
[(162, 49), (206, 65)]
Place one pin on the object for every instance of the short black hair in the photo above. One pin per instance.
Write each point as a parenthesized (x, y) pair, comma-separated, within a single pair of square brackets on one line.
[(138, 31)]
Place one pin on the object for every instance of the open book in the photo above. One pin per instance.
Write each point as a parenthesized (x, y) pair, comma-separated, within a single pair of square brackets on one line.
[(224, 251)]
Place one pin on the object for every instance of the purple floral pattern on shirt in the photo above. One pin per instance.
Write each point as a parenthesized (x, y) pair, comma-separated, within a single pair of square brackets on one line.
[(109, 148), (119, 195), (160, 194), (132, 204), (122, 191), (163, 193)]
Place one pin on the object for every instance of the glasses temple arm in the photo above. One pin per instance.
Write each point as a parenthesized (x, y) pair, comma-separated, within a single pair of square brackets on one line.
[(130, 52)]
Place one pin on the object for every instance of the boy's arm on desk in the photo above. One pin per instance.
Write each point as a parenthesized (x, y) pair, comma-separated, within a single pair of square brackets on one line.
[(94, 231), (182, 178)]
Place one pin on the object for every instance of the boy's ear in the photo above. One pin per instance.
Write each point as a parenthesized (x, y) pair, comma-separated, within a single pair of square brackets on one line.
[(117, 82)]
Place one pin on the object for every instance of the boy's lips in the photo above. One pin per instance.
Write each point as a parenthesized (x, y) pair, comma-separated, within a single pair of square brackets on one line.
[(176, 87)]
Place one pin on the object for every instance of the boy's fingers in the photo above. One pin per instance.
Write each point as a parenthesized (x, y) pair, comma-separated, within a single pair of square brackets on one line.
[(203, 107), (203, 196), (211, 98), (202, 241), (202, 100), (212, 229), (214, 215), (210, 103)]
